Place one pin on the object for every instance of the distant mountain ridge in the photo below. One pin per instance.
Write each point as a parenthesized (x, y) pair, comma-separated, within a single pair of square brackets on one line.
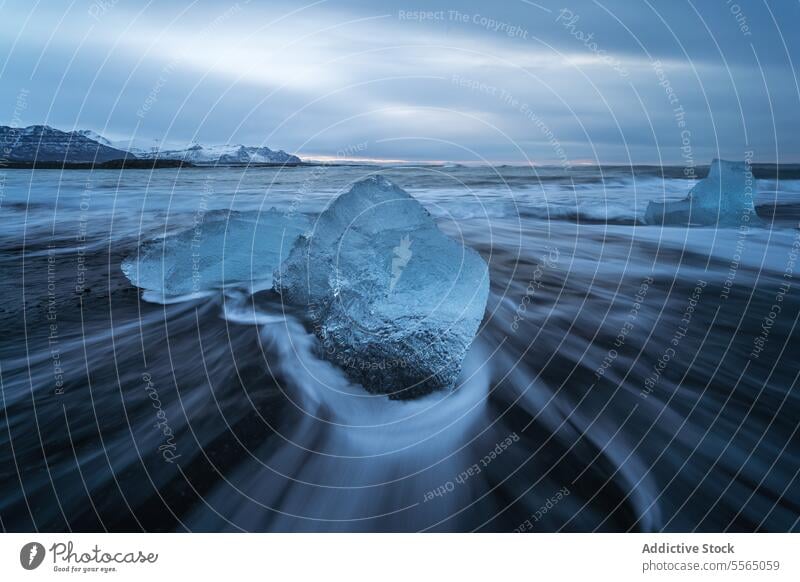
[(225, 154), (93, 135), (42, 143), (46, 144)]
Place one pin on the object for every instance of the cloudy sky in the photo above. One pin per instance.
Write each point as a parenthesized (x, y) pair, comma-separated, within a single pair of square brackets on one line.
[(513, 81)]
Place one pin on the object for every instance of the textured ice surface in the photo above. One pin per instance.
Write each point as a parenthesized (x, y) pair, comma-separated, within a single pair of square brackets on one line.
[(221, 250), (724, 197), (395, 302)]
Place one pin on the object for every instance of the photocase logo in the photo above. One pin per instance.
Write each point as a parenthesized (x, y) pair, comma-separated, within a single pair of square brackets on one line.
[(31, 555), (402, 254)]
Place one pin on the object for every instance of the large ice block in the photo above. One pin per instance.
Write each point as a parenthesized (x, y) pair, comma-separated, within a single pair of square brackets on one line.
[(221, 250), (724, 197), (395, 302)]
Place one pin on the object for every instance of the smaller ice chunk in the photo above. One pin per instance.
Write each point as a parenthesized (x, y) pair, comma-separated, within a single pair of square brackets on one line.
[(724, 197), (394, 301), (224, 249)]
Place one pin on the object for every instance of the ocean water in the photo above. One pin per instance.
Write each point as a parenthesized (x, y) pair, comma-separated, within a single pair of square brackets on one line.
[(625, 377)]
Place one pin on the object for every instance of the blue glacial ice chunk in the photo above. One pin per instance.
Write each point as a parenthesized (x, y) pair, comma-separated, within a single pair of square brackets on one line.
[(221, 250), (394, 301), (724, 197)]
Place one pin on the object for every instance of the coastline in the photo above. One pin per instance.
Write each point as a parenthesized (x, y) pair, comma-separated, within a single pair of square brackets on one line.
[(761, 170)]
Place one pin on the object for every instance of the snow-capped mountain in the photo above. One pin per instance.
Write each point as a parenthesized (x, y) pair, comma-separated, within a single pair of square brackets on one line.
[(46, 144), (93, 135), (225, 154)]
